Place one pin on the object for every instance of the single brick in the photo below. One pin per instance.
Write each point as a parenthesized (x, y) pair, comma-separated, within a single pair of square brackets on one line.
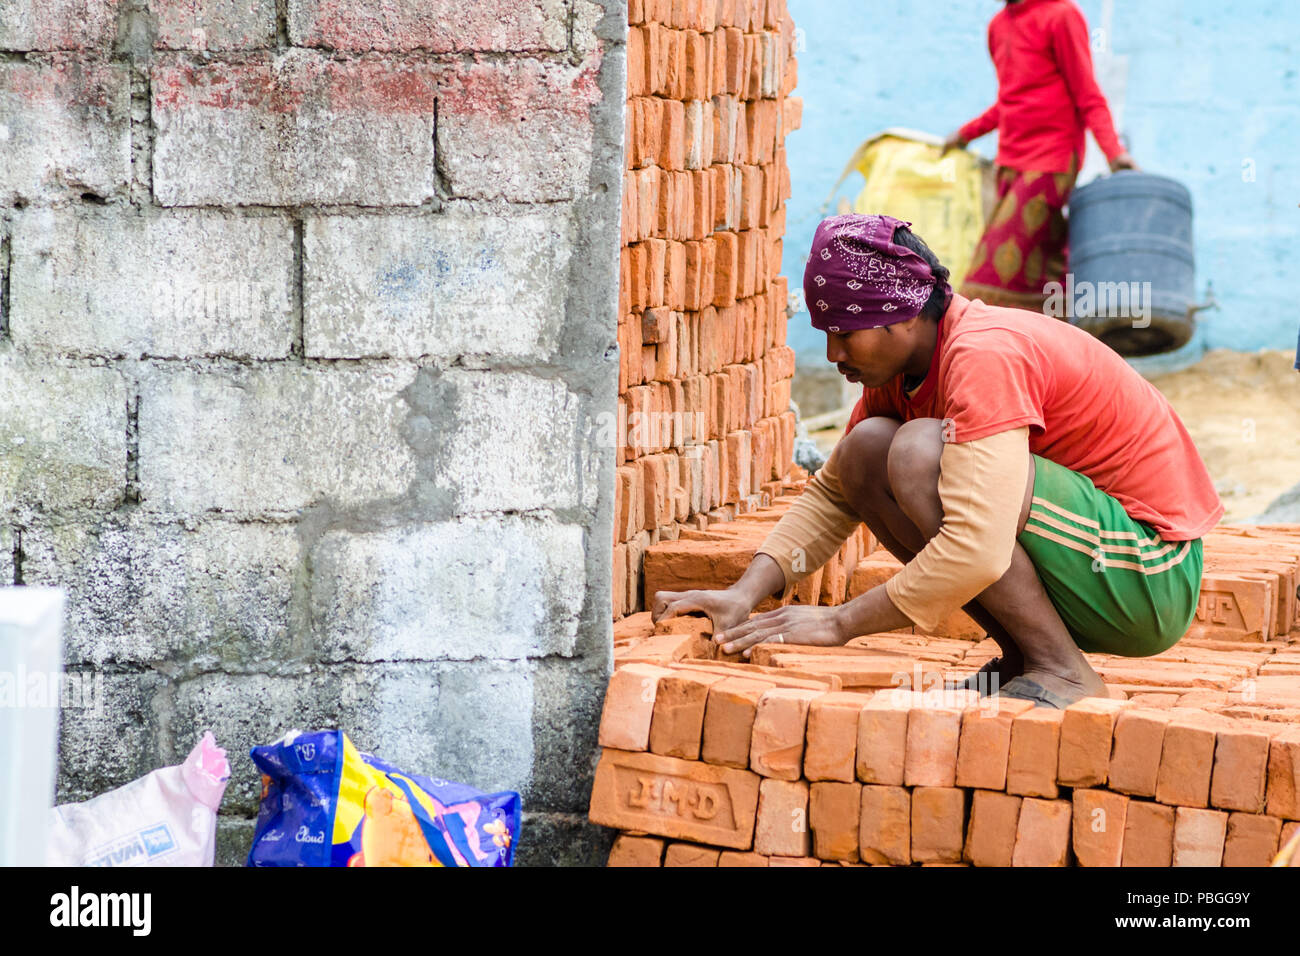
[(933, 734), (1284, 775), (986, 741), (782, 823), (442, 286), (436, 26), (1148, 834), (1099, 820), (65, 129), (885, 825), (681, 799), (173, 285), (1087, 729), (1135, 757), (629, 706), (733, 858), (729, 720), (63, 437), (832, 740), (346, 439), (678, 719), (1252, 839), (58, 24), (1186, 762), (776, 744), (690, 854), (1199, 836), (1042, 833), (1240, 769), (793, 861), (1032, 758), (293, 128), (991, 836), (882, 738), (519, 129), (636, 851), (938, 823), (214, 24), (835, 816)]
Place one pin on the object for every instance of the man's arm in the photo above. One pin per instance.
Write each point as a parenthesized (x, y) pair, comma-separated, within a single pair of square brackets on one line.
[(982, 488), (814, 527), (804, 539), (1070, 47)]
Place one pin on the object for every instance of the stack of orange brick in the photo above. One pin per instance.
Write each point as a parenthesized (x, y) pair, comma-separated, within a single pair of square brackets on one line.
[(805, 756), (705, 426)]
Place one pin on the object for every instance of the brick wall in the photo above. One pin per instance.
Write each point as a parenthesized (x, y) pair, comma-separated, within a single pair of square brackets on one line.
[(706, 430), (307, 316)]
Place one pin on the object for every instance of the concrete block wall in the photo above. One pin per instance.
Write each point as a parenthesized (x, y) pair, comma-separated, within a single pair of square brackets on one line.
[(705, 426), (307, 334)]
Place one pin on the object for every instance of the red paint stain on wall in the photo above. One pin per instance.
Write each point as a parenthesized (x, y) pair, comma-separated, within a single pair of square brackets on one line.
[(285, 84)]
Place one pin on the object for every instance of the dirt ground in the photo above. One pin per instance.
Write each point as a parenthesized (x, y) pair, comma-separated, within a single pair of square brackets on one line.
[(1243, 411)]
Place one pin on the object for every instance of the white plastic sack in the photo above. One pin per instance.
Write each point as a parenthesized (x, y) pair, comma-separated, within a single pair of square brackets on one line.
[(166, 818)]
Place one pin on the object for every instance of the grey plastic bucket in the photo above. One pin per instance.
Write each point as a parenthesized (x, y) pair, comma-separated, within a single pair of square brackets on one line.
[(1131, 254)]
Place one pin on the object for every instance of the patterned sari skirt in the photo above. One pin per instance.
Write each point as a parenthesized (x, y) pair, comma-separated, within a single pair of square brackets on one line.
[(1026, 243)]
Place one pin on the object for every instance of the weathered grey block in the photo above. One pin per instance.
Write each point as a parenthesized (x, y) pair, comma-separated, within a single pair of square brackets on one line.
[(471, 722), (215, 24), (245, 711), (442, 285), (505, 587), (62, 436), (543, 153), (120, 737), (272, 438), (148, 590), (440, 26), (6, 555), (568, 696), (234, 840), (293, 128), (563, 839), (57, 24), (65, 129), (497, 441), (176, 284)]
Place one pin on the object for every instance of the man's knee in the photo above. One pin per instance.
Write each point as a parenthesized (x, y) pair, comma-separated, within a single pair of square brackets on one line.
[(862, 456), (913, 461)]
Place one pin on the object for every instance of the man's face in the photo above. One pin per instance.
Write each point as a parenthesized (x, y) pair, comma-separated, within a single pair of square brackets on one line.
[(873, 356)]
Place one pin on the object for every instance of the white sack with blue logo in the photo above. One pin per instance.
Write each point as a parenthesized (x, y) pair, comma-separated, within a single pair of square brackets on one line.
[(166, 818)]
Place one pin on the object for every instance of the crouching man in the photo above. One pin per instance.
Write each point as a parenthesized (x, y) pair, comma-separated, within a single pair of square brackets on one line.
[(1019, 468)]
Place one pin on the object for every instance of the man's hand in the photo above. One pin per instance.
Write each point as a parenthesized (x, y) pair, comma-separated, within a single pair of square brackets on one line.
[(953, 142), (793, 624), (724, 608), (1123, 161)]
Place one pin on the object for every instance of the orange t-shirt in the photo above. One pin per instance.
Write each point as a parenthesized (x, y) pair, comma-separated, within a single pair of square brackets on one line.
[(995, 369)]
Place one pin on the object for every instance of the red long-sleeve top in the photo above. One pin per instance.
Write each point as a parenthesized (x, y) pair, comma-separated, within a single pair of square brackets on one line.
[(1047, 95)]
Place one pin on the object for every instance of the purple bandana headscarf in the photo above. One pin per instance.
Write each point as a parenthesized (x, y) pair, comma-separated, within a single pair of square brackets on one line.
[(857, 277)]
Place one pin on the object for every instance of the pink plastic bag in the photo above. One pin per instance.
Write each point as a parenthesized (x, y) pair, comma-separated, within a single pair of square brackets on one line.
[(166, 818)]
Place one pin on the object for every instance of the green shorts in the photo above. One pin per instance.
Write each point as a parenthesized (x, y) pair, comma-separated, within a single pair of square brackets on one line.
[(1118, 587)]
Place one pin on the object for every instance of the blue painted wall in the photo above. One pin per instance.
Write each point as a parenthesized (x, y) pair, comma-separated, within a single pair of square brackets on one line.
[(1213, 100)]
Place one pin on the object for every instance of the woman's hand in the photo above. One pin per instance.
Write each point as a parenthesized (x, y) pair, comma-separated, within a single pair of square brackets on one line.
[(724, 608), (793, 624)]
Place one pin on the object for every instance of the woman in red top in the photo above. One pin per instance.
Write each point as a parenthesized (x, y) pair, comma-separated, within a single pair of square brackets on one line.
[(1047, 96)]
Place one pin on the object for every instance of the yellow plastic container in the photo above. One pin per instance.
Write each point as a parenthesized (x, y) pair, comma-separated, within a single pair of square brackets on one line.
[(946, 198)]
